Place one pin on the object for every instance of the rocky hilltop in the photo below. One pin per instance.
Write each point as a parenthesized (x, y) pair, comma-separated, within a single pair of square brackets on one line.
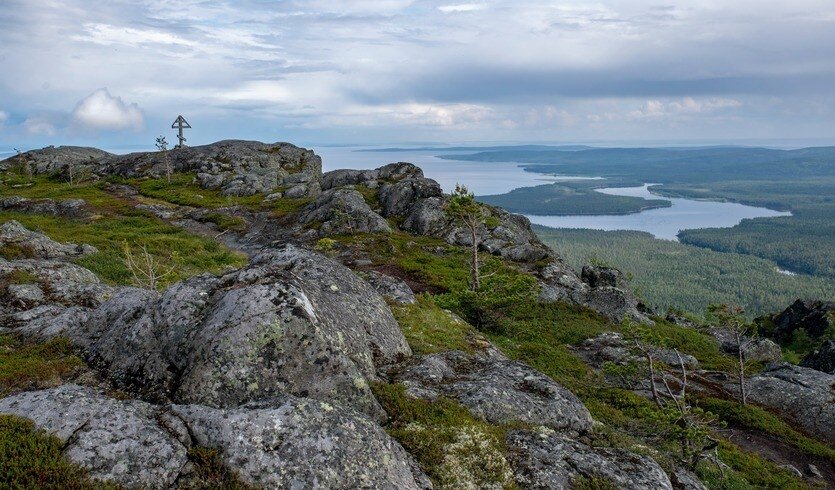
[(337, 344)]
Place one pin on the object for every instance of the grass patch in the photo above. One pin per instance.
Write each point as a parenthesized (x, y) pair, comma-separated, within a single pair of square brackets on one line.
[(210, 472), (185, 191), (31, 458), (429, 329), (28, 366), (226, 222), (455, 449), (189, 254)]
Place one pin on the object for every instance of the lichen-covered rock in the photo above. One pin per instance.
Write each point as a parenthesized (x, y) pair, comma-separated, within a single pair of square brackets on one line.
[(235, 167), (118, 441), (56, 160), (754, 349), (496, 389), (822, 358), (32, 244), (545, 459), (804, 396), (391, 288), (612, 347), (67, 208), (341, 211), (292, 321), (289, 442), (602, 289)]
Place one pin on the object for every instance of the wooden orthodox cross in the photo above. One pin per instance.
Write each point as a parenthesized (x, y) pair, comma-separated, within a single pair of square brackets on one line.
[(180, 123)]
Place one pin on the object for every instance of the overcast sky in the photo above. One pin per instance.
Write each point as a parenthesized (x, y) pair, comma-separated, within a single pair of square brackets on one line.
[(401, 71)]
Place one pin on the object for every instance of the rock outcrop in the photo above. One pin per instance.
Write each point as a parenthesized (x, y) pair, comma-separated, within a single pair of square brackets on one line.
[(754, 349), (119, 441), (822, 358), (545, 459), (33, 245), (612, 347), (65, 208), (391, 288), (284, 442), (602, 289), (804, 396), (814, 317), (58, 159), (343, 211), (494, 389)]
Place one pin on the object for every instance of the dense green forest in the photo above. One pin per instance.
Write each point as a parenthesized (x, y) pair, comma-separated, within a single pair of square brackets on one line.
[(801, 181), (670, 274), (571, 198)]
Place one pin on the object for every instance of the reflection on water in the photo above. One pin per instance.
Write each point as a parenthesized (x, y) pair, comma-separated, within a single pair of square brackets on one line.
[(663, 223)]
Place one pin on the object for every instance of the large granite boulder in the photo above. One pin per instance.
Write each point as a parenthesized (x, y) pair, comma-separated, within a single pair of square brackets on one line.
[(118, 441), (34, 245), (290, 442), (822, 358), (545, 459), (283, 442), (292, 321), (343, 211), (754, 349), (804, 396), (494, 389), (602, 289)]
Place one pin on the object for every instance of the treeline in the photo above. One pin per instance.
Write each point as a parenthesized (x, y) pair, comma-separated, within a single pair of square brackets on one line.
[(674, 275)]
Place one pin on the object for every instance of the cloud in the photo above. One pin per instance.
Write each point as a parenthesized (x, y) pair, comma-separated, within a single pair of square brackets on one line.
[(4, 116), (39, 126), (102, 111), (464, 7), (687, 105)]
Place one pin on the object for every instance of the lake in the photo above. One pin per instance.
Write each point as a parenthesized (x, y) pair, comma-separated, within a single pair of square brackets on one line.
[(485, 178), (663, 223)]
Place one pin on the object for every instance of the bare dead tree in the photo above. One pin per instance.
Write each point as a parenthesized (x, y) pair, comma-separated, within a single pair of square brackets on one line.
[(146, 270), (731, 317)]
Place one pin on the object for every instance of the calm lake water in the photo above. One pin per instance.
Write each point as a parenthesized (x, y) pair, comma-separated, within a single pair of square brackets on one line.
[(663, 223), (485, 178)]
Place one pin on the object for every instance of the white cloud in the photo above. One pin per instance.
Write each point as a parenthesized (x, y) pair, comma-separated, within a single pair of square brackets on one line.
[(4, 116), (109, 34), (103, 111), (38, 126), (464, 7), (684, 106)]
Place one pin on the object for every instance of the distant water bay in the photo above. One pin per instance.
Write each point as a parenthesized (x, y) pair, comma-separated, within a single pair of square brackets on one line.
[(664, 223)]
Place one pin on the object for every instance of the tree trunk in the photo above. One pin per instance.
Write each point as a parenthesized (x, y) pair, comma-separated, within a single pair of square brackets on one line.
[(742, 393), (475, 280)]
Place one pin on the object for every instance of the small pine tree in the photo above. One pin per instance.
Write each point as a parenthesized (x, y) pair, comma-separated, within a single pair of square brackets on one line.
[(463, 208), (162, 146)]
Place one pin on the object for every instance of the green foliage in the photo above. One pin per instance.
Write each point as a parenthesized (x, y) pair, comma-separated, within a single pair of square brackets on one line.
[(210, 472), (31, 458), (326, 245), (570, 198), (674, 275), (185, 191), (226, 222), (455, 449), (429, 329), (26, 365), (752, 471)]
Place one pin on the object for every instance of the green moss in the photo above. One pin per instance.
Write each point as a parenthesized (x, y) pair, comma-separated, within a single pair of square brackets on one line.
[(210, 472), (283, 207), (593, 483), (750, 471), (453, 448), (31, 458), (15, 251), (428, 328), (25, 365), (226, 222)]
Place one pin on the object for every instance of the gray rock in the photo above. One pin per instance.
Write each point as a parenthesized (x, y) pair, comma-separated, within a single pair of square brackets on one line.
[(754, 349), (292, 321), (611, 347), (391, 288), (25, 295), (117, 441), (814, 471), (804, 396), (822, 358), (496, 390), (685, 480), (56, 160), (398, 198), (815, 317), (297, 191), (340, 211), (289, 442), (37, 245), (67, 208), (545, 459)]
